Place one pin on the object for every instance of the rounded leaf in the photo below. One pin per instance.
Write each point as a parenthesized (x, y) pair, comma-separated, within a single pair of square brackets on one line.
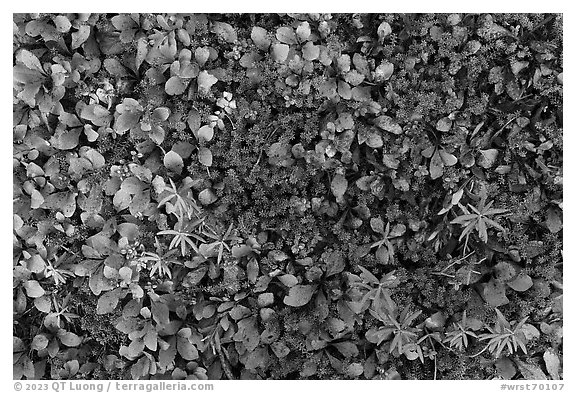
[(205, 82), (339, 186), (173, 162), (205, 156), (260, 37), (206, 133), (286, 35), (33, 289), (299, 295), (39, 342), (175, 86), (280, 52), (521, 283), (69, 339)]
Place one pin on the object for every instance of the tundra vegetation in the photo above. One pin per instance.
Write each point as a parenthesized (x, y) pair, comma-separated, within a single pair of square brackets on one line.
[(287, 196)]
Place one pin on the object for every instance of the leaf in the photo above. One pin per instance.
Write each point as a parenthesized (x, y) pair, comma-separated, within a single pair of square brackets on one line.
[(62, 23), (303, 31), (206, 133), (107, 302), (334, 264), (388, 124), (444, 124), (447, 158), (194, 277), (201, 54), (554, 220), (299, 295), (205, 156), (115, 68), (68, 338), (436, 321), (80, 36), (354, 370), (286, 35), (346, 348), (205, 82), (384, 30), (175, 86), (39, 342), (280, 52), (225, 32), (487, 158), (33, 289), (436, 166), (186, 349), (552, 363), (530, 371), (310, 51), (495, 294), (289, 280), (207, 197), (43, 304), (505, 367), (29, 60), (141, 52), (96, 159), (259, 36), (521, 283), (66, 140), (36, 199), (338, 186), (385, 70), (173, 162), (376, 336)]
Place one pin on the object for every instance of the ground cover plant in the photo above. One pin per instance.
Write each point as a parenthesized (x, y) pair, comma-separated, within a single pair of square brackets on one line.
[(287, 196)]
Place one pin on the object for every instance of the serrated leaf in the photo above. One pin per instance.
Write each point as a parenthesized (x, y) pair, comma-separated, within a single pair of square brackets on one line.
[(299, 295)]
